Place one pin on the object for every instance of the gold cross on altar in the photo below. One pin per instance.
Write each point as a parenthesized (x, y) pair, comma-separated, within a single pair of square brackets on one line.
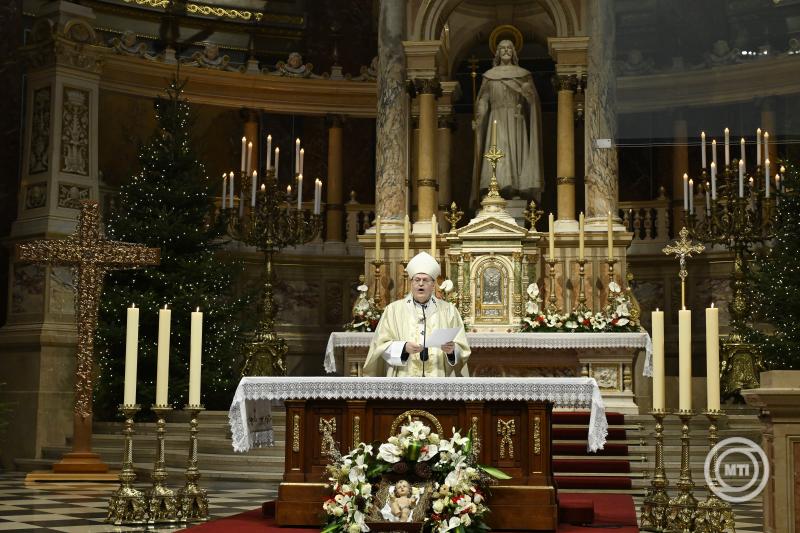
[(682, 249), (90, 256)]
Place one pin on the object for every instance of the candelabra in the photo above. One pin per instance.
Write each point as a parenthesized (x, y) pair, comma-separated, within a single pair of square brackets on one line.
[(376, 293), (271, 225), (738, 215), (581, 308), (127, 504), (656, 501), (610, 297), (192, 499), (161, 502), (552, 306), (683, 507), (714, 515)]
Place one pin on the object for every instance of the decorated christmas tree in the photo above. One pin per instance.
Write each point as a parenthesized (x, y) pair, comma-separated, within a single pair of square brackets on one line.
[(776, 288), (167, 204)]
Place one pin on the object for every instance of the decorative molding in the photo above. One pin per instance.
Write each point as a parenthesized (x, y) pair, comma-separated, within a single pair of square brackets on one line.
[(327, 427), (75, 131), (565, 180), (537, 436), (356, 431), (40, 131), (70, 195), (505, 429), (565, 82), (36, 195), (296, 433), (426, 182), (411, 414), (476, 438), (424, 86)]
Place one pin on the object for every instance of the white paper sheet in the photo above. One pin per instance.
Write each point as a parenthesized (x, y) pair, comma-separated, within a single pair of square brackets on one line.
[(438, 337)]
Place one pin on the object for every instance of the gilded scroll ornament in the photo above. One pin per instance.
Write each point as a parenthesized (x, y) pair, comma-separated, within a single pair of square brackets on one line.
[(356, 431), (296, 433), (411, 414), (537, 436), (327, 427), (506, 428)]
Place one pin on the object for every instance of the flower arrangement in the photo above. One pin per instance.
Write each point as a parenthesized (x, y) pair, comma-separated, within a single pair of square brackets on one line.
[(366, 314), (457, 484), (616, 317)]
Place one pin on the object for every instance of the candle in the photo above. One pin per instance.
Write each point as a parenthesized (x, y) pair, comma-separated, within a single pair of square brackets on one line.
[(244, 152), (263, 188), (741, 144), (684, 359), (131, 355), (195, 363), (727, 147), (712, 358), (162, 368), (433, 236), (224, 189), (714, 151), (766, 177), (610, 238), (302, 158), (494, 133), (552, 240), (658, 360), (708, 199), (741, 179), (299, 191), (230, 194), (691, 197), (317, 195), (685, 191), (766, 145), (269, 151), (277, 160), (288, 191), (249, 162), (703, 142), (406, 224), (297, 156), (377, 237), (713, 180), (254, 181), (580, 236), (758, 147)]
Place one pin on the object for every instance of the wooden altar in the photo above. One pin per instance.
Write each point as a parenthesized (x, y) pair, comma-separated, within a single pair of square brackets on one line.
[(514, 436)]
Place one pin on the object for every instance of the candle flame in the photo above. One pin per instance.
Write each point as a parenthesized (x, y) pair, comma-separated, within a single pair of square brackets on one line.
[(133, 306), (657, 310), (712, 305), (198, 308)]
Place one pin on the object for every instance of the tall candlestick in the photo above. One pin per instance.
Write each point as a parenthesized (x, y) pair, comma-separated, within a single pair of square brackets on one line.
[(299, 191), (269, 151), (691, 197), (741, 144), (766, 177), (131, 355), (224, 189), (703, 143), (249, 161), (406, 224), (552, 240), (708, 198), (433, 236), (727, 147), (378, 238), (297, 156), (713, 180), (494, 133), (162, 369), (658, 360), (758, 147), (230, 195), (714, 151), (253, 183), (741, 179), (277, 161), (244, 153), (317, 195), (685, 360), (302, 159), (712, 357), (685, 191), (195, 360), (610, 237), (580, 237)]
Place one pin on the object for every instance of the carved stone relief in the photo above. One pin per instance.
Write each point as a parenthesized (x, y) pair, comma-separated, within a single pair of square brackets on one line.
[(40, 131), (62, 291), (27, 289), (36, 195), (75, 132), (333, 303), (607, 377), (70, 195)]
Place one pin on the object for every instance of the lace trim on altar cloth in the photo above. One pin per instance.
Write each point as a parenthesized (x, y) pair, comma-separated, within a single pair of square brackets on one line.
[(547, 341), (251, 426)]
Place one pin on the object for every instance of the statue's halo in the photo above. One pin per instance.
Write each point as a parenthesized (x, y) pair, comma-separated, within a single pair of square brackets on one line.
[(506, 31)]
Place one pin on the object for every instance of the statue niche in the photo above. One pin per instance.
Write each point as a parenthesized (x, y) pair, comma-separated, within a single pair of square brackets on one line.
[(492, 281)]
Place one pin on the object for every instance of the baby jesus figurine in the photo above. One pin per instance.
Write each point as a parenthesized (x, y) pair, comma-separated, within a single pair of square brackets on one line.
[(402, 500)]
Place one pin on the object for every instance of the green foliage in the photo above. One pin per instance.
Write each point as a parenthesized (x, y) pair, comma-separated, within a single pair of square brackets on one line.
[(776, 280), (167, 205)]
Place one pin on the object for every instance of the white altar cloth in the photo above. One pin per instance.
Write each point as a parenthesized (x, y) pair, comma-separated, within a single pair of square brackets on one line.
[(546, 341), (251, 424)]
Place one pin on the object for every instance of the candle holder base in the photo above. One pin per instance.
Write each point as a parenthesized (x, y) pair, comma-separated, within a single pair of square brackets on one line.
[(193, 499), (127, 505), (656, 502), (714, 515), (162, 505), (552, 306), (683, 507)]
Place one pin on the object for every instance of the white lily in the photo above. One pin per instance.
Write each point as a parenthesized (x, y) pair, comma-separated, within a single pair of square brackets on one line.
[(389, 452), (533, 291), (446, 286)]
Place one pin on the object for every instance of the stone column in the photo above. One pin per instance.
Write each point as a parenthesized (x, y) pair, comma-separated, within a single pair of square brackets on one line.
[(334, 209), (565, 162), (390, 123), (680, 165), (414, 167), (427, 91), (601, 120), (443, 138), (59, 169)]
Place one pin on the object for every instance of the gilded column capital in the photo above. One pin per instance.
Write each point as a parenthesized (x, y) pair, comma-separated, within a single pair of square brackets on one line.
[(73, 46), (446, 121), (424, 86), (565, 82), (334, 120)]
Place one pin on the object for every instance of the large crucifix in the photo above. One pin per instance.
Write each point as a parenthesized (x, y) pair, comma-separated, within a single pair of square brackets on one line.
[(90, 256), (682, 249)]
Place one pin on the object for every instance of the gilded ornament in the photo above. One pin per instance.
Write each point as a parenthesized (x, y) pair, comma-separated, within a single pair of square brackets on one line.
[(356, 431), (296, 433), (327, 427), (505, 429), (537, 436), (415, 414)]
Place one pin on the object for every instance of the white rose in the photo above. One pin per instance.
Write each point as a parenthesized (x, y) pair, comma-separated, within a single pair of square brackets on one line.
[(337, 511), (389, 452), (477, 498), (533, 291), (613, 287), (354, 528), (362, 288), (446, 286), (438, 506)]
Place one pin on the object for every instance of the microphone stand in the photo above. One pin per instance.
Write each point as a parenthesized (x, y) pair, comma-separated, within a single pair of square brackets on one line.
[(423, 355)]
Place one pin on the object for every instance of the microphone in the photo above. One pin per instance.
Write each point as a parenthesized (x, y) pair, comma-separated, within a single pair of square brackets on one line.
[(423, 355)]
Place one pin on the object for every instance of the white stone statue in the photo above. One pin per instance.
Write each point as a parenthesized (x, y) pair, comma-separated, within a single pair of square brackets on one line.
[(509, 96)]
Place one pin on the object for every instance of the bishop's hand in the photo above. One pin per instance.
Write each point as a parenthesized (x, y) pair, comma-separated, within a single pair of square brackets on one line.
[(412, 347), (448, 347)]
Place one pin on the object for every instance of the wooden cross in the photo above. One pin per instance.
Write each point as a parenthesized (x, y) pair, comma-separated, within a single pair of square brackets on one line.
[(682, 249), (90, 256)]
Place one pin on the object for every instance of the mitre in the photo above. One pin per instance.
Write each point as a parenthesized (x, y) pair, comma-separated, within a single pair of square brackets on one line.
[(423, 263)]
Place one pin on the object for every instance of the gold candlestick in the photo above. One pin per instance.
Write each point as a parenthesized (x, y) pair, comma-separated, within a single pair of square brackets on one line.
[(552, 306), (714, 515), (405, 279), (192, 499), (161, 503), (127, 504), (376, 294), (611, 263), (683, 507), (656, 502), (581, 293)]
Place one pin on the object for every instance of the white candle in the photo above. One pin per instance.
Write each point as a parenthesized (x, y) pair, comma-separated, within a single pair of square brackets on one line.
[(741, 179), (254, 180), (297, 156), (741, 145), (162, 368), (713, 180), (317, 195), (299, 191), (727, 147), (277, 160), (658, 360), (766, 178), (714, 151), (244, 153), (230, 195), (766, 145), (249, 162), (494, 133), (580, 236), (269, 151), (610, 237), (406, 224), (691, 197), (712, 358), (552, 240), (195, 362), (302, 158), (684, 359), (685, 191), (703, 143), (224, 189), (131, 355), (758, 147), (433, 236), (708, 199), (263, 188), (288, 192)]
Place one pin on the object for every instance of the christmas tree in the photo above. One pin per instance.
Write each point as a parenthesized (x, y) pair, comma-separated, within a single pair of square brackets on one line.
[(776, 287), (167, 204)]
